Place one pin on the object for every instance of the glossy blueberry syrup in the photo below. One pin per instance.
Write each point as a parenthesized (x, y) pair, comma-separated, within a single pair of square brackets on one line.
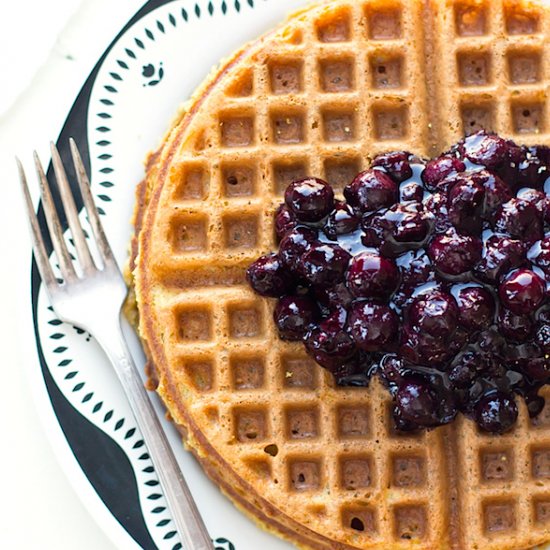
[(433, 275)]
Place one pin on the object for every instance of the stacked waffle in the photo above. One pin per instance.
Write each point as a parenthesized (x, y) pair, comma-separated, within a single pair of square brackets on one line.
[(336, 84)]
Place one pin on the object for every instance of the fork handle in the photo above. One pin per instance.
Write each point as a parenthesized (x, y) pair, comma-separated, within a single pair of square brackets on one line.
[(185, 514)]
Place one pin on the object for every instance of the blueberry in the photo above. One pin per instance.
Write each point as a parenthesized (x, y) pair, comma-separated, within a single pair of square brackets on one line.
[(434, 313), (342, 372), (436, 206), (285, 221), (294, 316), (324, 265), (352, 374), (268, 276), (536, 368), (334, 297), (338, 316), (476, 306), (397, 165), (490, 342), (481, 189), (417, 269), (533, 170), (411, 191), (517, 328), (509, 170), (402, 425), (461, 337), (376, 230), (402, 297), (520, 219), (454, 254), (501, 254), (408, 222), (415, 402), (496, 412), (438, 169), (535, 197), (329, 345), (464, 370), (295, 245), (496, 193), (485, 149), (372, 326), (310, 199), (422, 348), (543, 337), (487, 365), (371, 190), (540, 254), (465, 204), (402, 223), (522, 291), (341, 221), (391, 369), (372, 276)]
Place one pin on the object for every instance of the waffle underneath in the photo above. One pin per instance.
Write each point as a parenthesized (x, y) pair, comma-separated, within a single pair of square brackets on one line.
[(332, 87)]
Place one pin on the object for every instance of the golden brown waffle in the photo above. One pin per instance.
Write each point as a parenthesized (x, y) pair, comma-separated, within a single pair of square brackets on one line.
[(335, 85), (492, 68)]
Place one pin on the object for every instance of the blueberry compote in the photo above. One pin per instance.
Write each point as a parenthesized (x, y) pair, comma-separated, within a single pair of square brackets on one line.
[(433, 275)]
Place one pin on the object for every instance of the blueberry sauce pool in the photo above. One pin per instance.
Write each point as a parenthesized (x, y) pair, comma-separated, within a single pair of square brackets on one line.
[(433, 275)]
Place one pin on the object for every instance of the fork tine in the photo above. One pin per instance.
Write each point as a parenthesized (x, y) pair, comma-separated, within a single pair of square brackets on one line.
[(39, 249), (93, 215), (81, 246), (54, 226)]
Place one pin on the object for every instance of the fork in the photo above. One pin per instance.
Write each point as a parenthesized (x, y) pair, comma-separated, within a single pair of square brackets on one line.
[(91, 298)]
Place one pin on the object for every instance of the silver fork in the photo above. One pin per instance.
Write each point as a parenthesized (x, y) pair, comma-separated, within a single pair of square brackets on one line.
[(92, 299)]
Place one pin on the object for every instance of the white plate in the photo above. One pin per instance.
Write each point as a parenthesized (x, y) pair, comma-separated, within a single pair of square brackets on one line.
[(121, 113)]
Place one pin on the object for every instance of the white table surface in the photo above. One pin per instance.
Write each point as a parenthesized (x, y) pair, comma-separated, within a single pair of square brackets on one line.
[(38, 507)]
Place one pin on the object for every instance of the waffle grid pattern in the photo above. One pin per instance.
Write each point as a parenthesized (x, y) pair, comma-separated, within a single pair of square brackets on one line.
[(310, 439), (312, 105), (337, 84), (308, 107), (495, 59), (504, 489)]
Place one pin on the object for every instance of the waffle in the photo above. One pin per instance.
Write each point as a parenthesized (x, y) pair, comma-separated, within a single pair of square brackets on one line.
[(333, 86)]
